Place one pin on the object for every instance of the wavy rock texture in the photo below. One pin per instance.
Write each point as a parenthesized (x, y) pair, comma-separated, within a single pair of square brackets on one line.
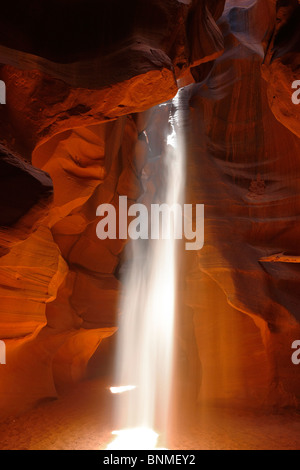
[(281, 67), (79, 93), (243, 164)]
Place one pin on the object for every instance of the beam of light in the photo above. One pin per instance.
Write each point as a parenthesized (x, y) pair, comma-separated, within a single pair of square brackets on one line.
[(122, 389), (145, 344), (171, 139)]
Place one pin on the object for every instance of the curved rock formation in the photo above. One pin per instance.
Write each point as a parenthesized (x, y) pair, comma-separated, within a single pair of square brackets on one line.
[(281, 66), (244, 167)]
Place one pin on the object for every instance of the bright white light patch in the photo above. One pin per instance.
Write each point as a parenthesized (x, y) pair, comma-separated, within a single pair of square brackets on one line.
[(122, 389), (134, 439), (172, 138)]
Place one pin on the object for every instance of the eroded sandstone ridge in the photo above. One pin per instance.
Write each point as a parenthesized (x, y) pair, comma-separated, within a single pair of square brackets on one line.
[(81, 81)]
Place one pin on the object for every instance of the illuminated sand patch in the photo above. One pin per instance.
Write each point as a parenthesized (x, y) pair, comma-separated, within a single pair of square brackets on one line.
[(122, 389), (134, 439)]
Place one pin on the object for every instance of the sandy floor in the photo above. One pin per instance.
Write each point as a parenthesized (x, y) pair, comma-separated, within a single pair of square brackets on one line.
[(76, 421)]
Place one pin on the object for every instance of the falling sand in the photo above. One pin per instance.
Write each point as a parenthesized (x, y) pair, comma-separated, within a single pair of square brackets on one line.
[(81, 420)]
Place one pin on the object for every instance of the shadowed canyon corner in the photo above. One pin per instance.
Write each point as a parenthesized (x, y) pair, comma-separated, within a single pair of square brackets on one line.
[(149, 225)]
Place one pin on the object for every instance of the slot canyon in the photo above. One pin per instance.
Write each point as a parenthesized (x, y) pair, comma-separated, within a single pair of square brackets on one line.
[(90, 87)]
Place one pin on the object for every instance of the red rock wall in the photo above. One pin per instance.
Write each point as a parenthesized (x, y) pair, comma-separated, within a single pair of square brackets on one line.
[(243, 165)]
